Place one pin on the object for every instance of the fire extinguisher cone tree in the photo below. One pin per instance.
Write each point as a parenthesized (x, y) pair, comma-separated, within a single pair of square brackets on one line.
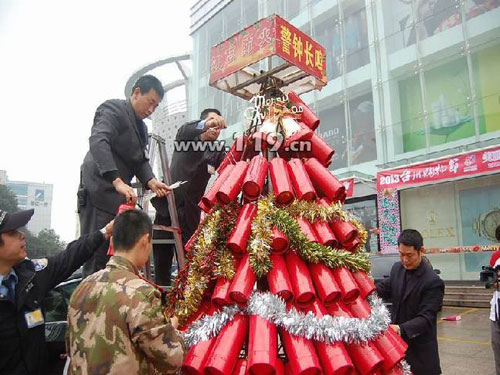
[(273, 283)]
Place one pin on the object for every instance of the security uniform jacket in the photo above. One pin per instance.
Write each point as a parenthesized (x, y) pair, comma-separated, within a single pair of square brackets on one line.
[(417, 297), (22, 349), (118, 144), (191, 166)]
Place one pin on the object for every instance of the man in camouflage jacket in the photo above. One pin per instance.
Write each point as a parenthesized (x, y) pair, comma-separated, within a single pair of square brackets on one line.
[(116, 323)]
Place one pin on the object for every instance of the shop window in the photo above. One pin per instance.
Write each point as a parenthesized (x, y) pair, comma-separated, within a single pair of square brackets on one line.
[(366, 211), (275, 7), (431, 211), (487, 85), (434, 17), (399, 25), (232, 20), (333, 130), (250, 13), (327, 33), (461, 213), (356, 40), (480, 212), (448, 104), (295, 7), (363, 145)]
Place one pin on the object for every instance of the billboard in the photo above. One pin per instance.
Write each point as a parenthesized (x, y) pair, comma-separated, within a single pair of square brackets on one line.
[(271, 36), (448, 93)]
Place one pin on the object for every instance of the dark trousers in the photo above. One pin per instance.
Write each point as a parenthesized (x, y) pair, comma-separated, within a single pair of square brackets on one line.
[(163, 255), (92, 219)]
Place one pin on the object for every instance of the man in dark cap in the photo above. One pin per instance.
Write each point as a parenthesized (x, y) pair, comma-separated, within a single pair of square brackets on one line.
[(23, 285)]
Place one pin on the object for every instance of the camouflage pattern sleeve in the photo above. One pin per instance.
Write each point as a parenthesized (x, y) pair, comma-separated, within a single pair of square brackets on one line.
[(150, 330)]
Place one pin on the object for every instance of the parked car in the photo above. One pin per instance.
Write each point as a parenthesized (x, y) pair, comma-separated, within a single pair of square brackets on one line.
[(55, 306)]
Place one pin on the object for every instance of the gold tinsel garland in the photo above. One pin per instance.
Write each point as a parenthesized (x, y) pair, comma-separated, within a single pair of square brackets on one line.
[(313, 211), (259, 244), (309, 251), (199, 269), (208, 259)]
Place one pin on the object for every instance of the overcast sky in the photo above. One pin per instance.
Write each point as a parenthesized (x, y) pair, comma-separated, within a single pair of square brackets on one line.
[(59, 59)]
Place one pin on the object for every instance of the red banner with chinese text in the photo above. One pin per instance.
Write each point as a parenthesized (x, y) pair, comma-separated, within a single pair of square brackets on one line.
[(349, 186), (299, 49), (267, 37), (478, 162)]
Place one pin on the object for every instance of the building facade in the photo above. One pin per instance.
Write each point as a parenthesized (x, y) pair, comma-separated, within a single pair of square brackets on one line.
[(37, 196), (409, 81)]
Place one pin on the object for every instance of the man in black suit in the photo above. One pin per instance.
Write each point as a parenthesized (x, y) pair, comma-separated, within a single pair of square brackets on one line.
[(196, 167), (118, 143), (417, 294)]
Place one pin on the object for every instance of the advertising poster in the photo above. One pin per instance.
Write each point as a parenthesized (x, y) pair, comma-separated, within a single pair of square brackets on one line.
[(451, 116), (487, 80), (480, 212), (436, 16)]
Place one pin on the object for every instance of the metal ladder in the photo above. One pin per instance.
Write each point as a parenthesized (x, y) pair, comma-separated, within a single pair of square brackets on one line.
[(157, 144)]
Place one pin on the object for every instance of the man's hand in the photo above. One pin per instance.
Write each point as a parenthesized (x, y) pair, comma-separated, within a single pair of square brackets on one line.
[(215, 121), (396, 328), (125, 190), (109, 229), (210, 135), (159, 188)]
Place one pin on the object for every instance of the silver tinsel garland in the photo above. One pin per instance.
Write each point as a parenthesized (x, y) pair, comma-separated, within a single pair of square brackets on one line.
[(209, 326), (272, 307), (325, 329)]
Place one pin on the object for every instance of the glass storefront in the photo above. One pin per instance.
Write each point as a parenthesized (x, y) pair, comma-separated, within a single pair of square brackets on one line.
[(366, 211), (453, 215), (406, 77)]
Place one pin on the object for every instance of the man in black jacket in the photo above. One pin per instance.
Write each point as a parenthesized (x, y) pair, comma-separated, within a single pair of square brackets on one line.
[(23, 285), (194, 166), (417, 294), (118, 152)]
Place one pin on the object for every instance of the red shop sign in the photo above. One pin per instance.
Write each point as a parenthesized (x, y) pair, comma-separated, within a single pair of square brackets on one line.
[(271, 36), (463, 165)]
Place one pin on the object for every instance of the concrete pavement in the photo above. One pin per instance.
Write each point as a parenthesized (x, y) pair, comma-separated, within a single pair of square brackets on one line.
[(464, 346)]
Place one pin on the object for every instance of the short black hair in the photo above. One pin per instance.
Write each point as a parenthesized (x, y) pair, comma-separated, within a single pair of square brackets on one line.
[(497, 233), (148, 82), (206, 111), (129, 227), (411, 237)]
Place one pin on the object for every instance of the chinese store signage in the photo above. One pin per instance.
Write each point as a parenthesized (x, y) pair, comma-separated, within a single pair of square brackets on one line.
[(464, 165), (271, 36)]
